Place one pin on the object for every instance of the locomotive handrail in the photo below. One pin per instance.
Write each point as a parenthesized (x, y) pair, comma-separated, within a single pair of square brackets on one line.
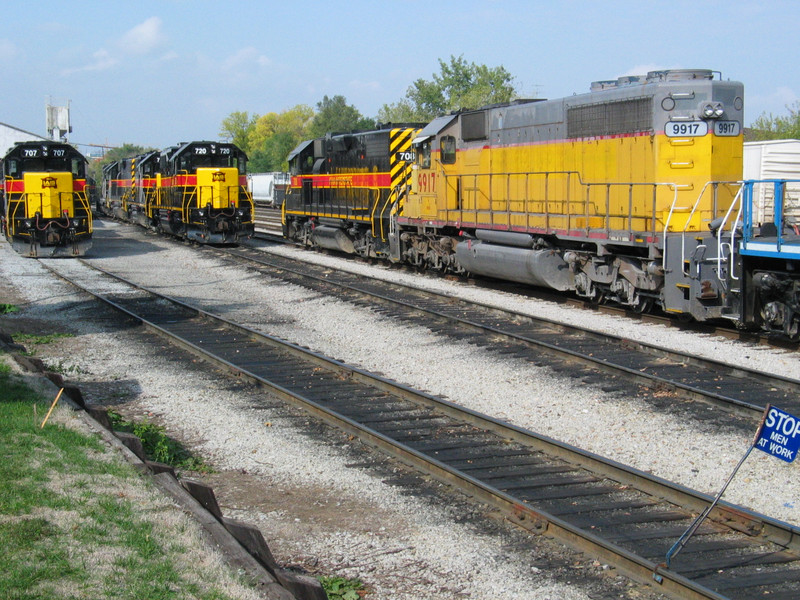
[(736, 200), (571, 179), (688, 220)]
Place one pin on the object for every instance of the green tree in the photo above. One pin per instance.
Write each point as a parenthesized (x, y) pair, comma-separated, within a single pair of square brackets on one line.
[(776, 128), (458, 85), (237, 128), (334, 115), (274, 135)]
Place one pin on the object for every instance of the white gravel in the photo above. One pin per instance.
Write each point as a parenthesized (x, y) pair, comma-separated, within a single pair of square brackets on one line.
[(463, 562)]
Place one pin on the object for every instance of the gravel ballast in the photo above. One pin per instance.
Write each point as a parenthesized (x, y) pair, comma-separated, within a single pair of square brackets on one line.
[(389, 530)]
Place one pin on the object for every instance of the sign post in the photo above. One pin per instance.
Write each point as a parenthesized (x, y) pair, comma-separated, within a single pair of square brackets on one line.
[(778, 434)]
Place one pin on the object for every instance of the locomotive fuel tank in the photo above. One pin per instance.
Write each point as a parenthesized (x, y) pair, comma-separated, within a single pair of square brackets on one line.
[(540, 267)]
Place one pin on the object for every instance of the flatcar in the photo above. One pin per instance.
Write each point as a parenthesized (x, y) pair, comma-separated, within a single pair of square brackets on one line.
[(195, 190), (45, 208), (631, 193)]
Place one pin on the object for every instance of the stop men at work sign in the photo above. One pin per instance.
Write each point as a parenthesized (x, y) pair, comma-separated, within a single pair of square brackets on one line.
[(780, 435)]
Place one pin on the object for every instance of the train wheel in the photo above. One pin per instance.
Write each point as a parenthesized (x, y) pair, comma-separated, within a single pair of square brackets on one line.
[(644, 305)]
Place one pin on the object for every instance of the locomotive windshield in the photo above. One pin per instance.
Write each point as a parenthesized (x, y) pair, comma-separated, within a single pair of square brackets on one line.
[(212, 156), (15, 167)]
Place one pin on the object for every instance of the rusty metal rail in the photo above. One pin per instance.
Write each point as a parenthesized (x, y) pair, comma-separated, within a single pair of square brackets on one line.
[(595, 357)]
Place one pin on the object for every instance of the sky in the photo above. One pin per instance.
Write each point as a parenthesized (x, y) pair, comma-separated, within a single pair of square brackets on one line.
[(157, 73)]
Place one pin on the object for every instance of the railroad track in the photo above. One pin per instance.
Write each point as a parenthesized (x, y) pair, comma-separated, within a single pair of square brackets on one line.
[(267, 219), (622, 516), (608, 361), (268, 225)]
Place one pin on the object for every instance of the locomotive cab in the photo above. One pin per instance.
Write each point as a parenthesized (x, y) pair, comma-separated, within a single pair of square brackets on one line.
[(202, 193), (46, 207)]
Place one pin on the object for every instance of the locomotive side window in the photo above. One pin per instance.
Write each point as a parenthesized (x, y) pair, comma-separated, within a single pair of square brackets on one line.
[(12, 168), (447, 146), (77, 169), (424, 155)]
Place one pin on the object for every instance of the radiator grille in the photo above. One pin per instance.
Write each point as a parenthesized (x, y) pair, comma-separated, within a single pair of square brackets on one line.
[(610, 118)]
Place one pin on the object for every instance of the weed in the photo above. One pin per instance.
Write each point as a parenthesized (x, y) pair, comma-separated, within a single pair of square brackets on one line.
[(65, 369), (8, 308), (158, 445), (31, 338), (339, 588)]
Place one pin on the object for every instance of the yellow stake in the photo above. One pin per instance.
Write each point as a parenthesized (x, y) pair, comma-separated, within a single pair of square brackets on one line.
[(52, 406)]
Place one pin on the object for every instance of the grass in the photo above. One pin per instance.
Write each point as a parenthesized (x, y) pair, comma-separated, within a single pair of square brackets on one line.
[(30, 338), (158, 445), (8, 308), (76, 524)]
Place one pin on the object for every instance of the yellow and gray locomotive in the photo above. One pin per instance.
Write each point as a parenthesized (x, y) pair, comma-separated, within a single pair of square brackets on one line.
[(45, 206), (608, 194)]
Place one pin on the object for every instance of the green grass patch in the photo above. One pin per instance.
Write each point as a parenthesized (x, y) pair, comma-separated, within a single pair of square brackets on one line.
[(71, 524), (158, 445), (8, 308), (29, 339), (36, 340), (339, 588)]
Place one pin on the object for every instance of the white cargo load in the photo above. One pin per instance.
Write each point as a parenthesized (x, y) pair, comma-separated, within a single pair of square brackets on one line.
[(774, 159), (268, 188)]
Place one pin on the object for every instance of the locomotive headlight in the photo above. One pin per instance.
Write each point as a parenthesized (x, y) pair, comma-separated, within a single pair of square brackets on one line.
[(27, 224), (712, 110), (201, 213)]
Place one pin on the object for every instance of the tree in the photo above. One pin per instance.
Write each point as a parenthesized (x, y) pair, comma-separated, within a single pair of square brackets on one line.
[(237, 127), (458, 85), (274, 135), (776, 128), (334, 115)]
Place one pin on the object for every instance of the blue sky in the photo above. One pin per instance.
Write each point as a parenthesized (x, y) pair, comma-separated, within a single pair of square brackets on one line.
[(156, 73)]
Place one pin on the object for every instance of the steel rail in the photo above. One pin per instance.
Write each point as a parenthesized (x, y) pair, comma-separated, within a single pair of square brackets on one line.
[(606, 363)]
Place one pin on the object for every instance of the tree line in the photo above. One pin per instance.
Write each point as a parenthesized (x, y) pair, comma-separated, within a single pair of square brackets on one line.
[(459, 84)]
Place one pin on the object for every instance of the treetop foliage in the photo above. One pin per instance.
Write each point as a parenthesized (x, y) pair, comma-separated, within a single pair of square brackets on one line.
[(269, 138), (458, 86), (124, 151), (769, 127)]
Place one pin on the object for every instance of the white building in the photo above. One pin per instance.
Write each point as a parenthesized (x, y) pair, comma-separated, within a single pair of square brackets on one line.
[(10, 135)]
